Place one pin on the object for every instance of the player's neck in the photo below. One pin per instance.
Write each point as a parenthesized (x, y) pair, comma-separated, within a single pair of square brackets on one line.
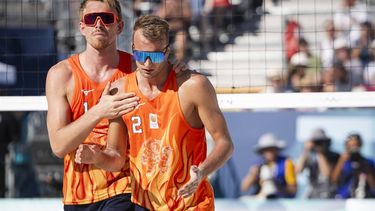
[(100, 60), (150, 87), (160, 79)]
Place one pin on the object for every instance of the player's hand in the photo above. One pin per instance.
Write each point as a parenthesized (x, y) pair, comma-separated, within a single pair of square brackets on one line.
[(87, 154), (196, 177), (114, 106)]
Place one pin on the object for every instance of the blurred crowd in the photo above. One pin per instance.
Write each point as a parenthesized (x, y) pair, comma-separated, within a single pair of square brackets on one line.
[(343, 60), (329, 174), (197, 27)]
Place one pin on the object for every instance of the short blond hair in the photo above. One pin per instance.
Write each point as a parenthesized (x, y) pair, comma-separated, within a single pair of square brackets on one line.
[(113, 4), (153, 28)]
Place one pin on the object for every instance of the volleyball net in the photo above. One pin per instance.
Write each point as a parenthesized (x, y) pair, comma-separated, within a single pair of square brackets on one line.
[(285, 67)]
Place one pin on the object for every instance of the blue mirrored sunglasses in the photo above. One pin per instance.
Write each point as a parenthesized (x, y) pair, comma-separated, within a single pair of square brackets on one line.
[(155, 56)]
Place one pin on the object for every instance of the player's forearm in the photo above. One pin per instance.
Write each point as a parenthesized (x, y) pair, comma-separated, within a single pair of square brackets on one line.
[(68, 138), (110, 160), (220, 154)]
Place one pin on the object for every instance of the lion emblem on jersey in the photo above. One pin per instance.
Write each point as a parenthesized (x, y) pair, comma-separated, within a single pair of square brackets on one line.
[(155, 157)]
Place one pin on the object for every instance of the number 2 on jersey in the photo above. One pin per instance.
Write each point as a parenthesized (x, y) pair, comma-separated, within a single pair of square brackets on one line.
[(136, 126)]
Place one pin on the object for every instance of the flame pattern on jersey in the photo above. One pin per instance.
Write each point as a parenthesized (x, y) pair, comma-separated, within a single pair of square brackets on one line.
[(161, 155), (83, 183)]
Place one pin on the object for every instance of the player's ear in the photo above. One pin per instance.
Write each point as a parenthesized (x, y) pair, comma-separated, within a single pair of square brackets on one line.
[(120, 26), (81, 27)]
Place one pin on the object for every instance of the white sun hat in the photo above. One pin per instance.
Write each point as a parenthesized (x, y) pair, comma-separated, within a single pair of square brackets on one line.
[(299, 59), (269, 140)]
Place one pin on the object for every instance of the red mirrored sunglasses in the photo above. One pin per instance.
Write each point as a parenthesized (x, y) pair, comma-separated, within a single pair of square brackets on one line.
[(107, 18)]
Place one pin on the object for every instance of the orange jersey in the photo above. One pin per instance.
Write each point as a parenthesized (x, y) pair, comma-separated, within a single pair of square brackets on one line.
[(85, 183), (163, 147)]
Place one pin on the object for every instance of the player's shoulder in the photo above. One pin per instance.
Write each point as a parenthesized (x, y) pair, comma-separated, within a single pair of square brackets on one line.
[(60, 72), (193, 80), (62, 67)]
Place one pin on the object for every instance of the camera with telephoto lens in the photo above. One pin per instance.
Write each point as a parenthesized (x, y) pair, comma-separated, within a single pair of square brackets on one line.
[(355, 155), (322, 142)]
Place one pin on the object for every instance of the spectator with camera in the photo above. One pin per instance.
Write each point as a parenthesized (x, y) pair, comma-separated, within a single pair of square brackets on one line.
[(319, 160), (353, 173), (274, 176)]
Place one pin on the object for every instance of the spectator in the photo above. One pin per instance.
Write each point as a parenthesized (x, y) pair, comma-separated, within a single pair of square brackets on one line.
[(313, 63), (179, 16), (319, 160), (274, 176), (218, 9), (328, 84), (347, 20), (298, 80), (326, 45), (144, 7), (276, 82), (351, 64), (353, 173), (340, 79), (291, 37), (369, 71), (361, 47)]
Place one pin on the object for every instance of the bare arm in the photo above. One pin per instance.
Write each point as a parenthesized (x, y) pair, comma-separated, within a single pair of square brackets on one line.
[(213, 119), (339, 166), (112, 158), (323, 164), (250, 178), (203, 96), (303, 158), (66, 135)]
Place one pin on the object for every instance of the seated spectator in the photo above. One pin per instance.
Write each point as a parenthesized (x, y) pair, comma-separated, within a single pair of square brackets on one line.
[(291, 37), (326, 45), (319, 160), (275, 82), (298, 80), (347, 20), (219, 11), (353, 173), (369, 70), (341, 78), (361, 48), (144, 7), (179, 16), (328, 81), (351, 64), (312, 59), (274, 176)]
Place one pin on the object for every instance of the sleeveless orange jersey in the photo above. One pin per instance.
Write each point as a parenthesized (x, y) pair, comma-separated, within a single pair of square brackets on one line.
[(163, 147), (85, 183)]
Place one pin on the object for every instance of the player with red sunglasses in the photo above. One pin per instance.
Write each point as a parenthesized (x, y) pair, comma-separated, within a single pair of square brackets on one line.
[(80, 105)]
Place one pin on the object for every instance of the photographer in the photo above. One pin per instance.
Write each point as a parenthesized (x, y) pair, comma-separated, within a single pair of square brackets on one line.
[(354, 174), (319, 160), (274, 175)]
